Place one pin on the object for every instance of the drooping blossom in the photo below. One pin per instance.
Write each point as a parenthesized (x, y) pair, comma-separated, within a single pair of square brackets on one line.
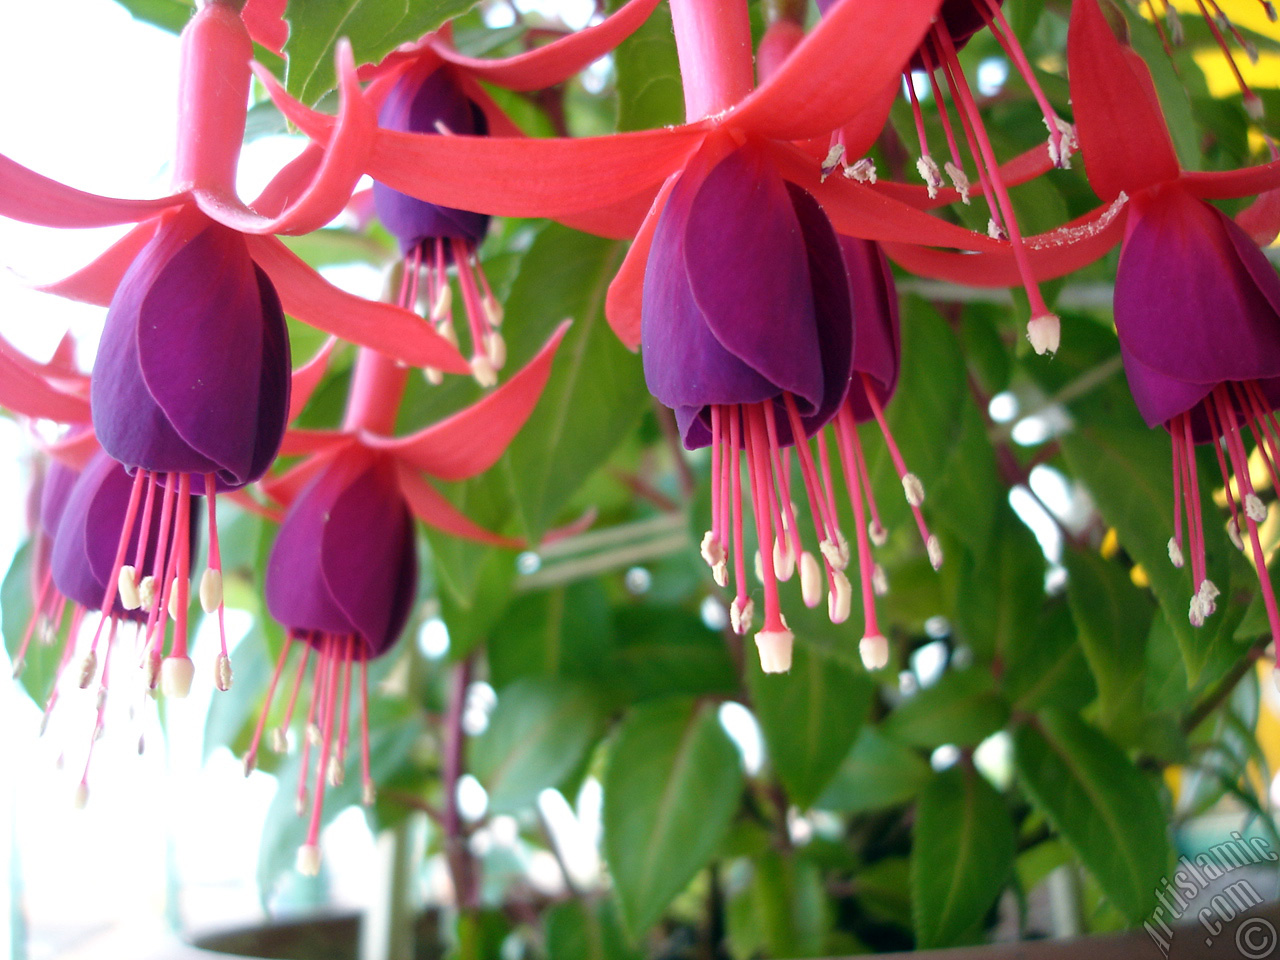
[(343, 571), (1197, 305)]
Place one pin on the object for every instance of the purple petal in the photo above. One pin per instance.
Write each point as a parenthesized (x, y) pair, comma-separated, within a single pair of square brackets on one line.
[(192, 374), (1195, 299), (344, 561), (58, 481), (878, 353), (421, 103)]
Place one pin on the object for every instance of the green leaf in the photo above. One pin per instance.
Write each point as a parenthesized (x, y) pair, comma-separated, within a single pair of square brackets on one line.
[(565, 632), (878, 773), (784, 911), (961, 856), (666, 651), (1113, 619), (596, 391), (810, 718), (650, 94), (671, 787), (374, 29), (1050, 669), (538, 733), (962, 708), (18, 595), (1002, 590), (587, 931), (1101, 804), (171, 15)]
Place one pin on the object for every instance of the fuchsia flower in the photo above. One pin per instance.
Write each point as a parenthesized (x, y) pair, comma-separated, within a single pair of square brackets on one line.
[(1183, 264), (343, 571)]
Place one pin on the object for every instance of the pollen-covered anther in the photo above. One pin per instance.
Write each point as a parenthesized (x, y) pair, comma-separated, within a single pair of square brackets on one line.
[(832, 160), (863, 171), (995, 231), (712, 549), (88, 667), (1254, 106), (874, 650), (934, 549), (18, 664), (127, 584), (493, 310), (836, 551), (81, 797), (368, 793), (879, 580), (913, 489), (483, 370), (774, 647), (300, 803), (496, 349), (1063, 142), (1175, 553), (810, 579), (1208, 595), (335, 772), (758, 564), (741, 612), (279, 740), (1254, 508), (433, 376), (151, 667), (930, 174), (784, 560), (958, 180), (441, 303), (720, 573), (1045, 333), (878, 534), (147, 592), (1233, 534), (211, 590), (840, 599), (222, 672), (250, 763), (309, 860), (176, 674), (313, 734), (175, 598)]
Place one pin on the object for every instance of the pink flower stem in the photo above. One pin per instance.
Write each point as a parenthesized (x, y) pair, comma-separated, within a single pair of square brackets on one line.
[(377, 385), (713, 40)]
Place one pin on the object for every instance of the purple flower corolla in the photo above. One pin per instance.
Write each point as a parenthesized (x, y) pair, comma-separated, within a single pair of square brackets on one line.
[(1197, 311), (748, 336), (341, 579)]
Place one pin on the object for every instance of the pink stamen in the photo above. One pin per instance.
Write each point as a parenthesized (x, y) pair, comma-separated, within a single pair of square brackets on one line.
[(365, 776), (318, 683), (215, 552), (845, 428), (823, 521), (1192, 492), (739, 562), (251, 757), (317, 805), (344, 724), (1008, 40), (1177, 493), (759, 476), (717, 531), (894, 453), (130, 513), (297, 685), (182, 558)]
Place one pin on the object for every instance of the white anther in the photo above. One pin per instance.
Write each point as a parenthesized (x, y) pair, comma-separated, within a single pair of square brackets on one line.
[(741, 613), (1063, 142), (1208, 595), (1269, 7), (433, 376), (1233, 533), (147, 592), (100, 698), (1175, 553), (496, 348), (712, 549), (995, 231), (313, 734), (175, 598), (833, 552), (335, 772), (250, 763), (840, 599), (441, 303), (88, 667), (222, 672), (176, 674), (81, 797), (864, 171), (127, 584), (774, 647), (492, 310), (913, 489), (279, 740), (450, 335), (879, 535), (1195, 613), (833, 158), (1174, 24), (810, 579), (879, 580), (211, 590), (18, 664), (309, 860), (929, 173), (720, 573), (958, 180), (1254, 508), (759, 567), (300, 801), (46, 630), (874, 650), (368, 793), (934, 549), (151, 666), (482, 369), (1045, 333), (142, 744), (784, 561)]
